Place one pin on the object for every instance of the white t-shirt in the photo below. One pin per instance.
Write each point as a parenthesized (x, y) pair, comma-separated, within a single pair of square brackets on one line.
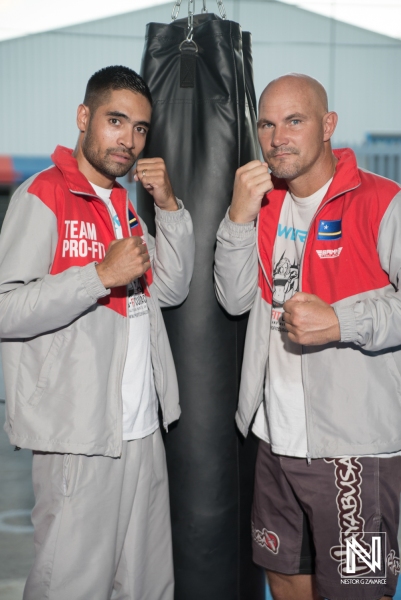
[(140, 416), (284, 388)]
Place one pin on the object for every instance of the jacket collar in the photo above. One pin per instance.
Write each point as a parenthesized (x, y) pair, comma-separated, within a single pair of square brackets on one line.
[(74, 178), (346, 177)]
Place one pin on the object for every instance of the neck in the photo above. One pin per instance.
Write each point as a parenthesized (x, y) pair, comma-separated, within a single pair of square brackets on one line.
[(91, 174), (307, 184)]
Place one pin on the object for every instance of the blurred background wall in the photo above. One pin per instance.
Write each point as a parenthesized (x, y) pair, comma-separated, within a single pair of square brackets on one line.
[(43, 78)]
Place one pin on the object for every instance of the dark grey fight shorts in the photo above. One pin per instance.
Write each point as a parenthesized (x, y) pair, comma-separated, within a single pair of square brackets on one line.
[(336, 518)]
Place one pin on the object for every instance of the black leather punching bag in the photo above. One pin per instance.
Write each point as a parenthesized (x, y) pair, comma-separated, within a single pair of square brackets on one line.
[(204, 127)]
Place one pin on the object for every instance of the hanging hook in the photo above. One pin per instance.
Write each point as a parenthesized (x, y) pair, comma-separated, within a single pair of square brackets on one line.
[(204, 9), (191, 10)]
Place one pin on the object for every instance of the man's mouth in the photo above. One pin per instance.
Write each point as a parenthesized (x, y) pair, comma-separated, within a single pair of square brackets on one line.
[(123, 158), (281, 153)]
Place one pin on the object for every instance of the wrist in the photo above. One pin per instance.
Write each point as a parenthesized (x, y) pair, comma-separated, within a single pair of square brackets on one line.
[(102, 274), (170, 204), (238, 217)]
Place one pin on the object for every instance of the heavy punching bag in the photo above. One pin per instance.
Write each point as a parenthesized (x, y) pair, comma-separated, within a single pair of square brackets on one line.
[(204, 126)]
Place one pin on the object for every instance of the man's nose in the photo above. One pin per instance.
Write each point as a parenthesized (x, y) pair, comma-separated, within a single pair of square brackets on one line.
[(279, 137), (127, 138)]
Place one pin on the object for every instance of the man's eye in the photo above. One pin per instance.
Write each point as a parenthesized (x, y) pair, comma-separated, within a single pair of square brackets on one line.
[(115, 121), (295, 121), (142, 130)]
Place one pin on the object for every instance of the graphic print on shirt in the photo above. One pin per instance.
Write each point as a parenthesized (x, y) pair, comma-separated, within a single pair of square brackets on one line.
[(137, 303), (285, 280)]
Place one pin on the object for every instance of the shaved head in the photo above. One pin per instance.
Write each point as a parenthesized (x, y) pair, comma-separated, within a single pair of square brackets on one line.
[(295, 128), (301, 84)]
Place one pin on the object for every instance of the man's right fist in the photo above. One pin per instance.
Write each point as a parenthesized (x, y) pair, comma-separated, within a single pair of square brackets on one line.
[(125, 260), (252, 182)]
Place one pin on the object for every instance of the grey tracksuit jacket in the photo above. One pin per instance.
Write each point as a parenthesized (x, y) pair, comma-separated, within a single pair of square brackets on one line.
[(352, 388), (64, 336)]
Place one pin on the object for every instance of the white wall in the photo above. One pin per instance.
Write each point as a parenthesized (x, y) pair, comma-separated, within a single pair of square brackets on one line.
[(43, 76)]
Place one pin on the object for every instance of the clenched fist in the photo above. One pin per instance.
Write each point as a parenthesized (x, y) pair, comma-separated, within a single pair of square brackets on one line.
[(152, 173), (310, 321), (125, 260), (252, 182)]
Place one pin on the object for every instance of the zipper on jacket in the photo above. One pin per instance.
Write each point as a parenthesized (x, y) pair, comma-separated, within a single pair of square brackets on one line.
[(308, 456), (259, 258), (120, 395), (157, 356)]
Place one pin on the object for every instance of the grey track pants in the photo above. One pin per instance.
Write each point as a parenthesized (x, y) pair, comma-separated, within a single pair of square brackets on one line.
[(102, 526)]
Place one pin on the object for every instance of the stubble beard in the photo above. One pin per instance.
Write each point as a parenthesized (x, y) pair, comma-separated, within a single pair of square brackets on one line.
[(104, 164), (284, 171)]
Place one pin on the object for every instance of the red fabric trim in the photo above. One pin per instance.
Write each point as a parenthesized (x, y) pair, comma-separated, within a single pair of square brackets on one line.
[(361, 200), (84, 226)]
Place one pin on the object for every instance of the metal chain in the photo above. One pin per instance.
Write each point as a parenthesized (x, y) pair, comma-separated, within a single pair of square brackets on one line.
[(191, 10), (221, 9), (176, 10)]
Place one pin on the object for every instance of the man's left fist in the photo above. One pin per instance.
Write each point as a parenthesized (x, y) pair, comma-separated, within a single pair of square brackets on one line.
[(152, 173), (310, 321)]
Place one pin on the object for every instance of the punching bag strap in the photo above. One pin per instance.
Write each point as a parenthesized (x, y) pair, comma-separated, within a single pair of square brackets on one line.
[(189, 50)]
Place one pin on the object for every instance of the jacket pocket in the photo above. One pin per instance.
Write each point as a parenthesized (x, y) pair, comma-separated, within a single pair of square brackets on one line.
[(45, 371)]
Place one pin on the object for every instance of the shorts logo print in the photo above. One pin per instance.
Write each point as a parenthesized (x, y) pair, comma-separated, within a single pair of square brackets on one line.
[(393, 563), (266, 539), (348, 479)]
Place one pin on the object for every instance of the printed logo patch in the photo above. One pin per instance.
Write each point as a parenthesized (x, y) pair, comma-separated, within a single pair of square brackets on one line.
[(266, 539), (393, 563), (133, 221), (335, 253), (329, 230)]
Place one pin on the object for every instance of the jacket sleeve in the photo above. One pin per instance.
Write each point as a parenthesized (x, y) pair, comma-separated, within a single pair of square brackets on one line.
[(172, 254), (374, 323), (32, 301), (236, 266)]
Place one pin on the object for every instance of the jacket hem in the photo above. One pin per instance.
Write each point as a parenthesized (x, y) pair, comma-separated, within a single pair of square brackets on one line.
[(172, 416), (62, 447), (241, 426), (358, 450)]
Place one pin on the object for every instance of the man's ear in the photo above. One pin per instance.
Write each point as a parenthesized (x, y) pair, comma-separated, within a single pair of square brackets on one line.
[(330, 120), (83, 116)]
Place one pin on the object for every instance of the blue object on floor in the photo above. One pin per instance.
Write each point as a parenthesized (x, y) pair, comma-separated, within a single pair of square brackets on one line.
[(396, 597)]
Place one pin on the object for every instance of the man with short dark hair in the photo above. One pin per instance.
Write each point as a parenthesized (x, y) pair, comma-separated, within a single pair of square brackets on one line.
[(87, 362), (322, 366)]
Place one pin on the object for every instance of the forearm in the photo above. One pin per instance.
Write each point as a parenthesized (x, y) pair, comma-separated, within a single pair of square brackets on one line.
[(48, 303), (172, 255), (236, 266), (372, 323)]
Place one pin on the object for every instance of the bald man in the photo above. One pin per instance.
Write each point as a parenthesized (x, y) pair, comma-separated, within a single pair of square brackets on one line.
[(313, 250)]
